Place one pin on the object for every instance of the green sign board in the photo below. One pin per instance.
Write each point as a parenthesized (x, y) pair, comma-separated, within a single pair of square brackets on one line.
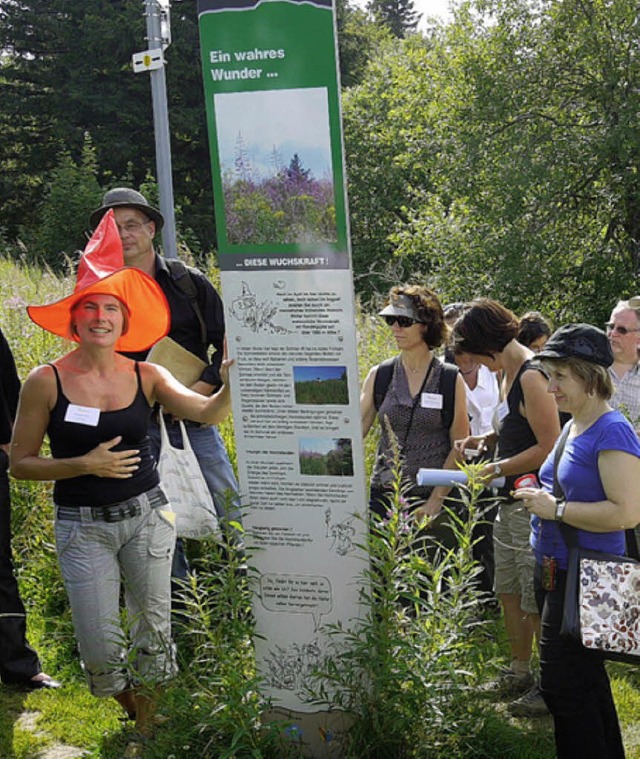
[(273, 110)]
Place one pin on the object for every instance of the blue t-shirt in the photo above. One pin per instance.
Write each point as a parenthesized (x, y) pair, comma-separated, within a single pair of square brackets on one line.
[(580, 480)]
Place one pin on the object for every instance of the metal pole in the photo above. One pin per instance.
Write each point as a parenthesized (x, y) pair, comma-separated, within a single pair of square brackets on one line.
[(161, 130)]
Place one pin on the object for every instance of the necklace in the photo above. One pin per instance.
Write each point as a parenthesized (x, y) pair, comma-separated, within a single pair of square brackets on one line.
[(414, 369), (471, 371)]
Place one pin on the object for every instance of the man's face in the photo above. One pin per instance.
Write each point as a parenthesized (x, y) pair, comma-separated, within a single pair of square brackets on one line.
[(136, 232), (624, 346)]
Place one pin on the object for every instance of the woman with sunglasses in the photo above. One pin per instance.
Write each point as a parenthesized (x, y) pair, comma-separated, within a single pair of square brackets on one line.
[(410, 414)]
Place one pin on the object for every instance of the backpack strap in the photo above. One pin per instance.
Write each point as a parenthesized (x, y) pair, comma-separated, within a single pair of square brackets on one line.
[(181, 275), (383, 380), (447, 387), (448, 379)]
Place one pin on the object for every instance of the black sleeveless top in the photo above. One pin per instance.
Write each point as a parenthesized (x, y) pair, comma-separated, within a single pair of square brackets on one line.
[(69, 438), (515, 434), (420, 434)]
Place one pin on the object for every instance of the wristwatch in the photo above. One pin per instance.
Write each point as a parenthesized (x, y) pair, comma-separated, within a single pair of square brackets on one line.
[(497, 469), (561, 505)]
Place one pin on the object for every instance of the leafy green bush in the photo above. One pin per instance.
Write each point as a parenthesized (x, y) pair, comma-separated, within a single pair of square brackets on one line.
[(404, 674)]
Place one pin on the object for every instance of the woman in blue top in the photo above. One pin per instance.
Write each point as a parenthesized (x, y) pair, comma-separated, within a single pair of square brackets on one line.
[(598, 471)]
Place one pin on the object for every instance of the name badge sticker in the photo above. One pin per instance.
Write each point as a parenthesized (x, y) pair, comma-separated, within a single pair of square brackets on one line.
[(431, 400), (82, 415), (502, 410)]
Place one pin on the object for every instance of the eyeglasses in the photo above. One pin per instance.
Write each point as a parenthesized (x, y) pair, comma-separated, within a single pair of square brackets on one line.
[(131, 227), (620, 330), (402, 321)]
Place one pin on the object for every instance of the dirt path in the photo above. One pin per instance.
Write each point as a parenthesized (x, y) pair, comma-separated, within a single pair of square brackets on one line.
[(28, 722)]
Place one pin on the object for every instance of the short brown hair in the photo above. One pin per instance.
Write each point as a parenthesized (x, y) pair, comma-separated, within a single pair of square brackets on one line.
[(533, 325), (485, 328), (429, 311)]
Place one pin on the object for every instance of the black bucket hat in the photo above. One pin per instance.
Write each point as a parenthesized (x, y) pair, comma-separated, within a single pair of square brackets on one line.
[(125, 197), (578, 341)]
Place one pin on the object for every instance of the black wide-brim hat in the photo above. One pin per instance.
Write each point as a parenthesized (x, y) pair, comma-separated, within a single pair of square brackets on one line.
[(582, 341), (125, 197)]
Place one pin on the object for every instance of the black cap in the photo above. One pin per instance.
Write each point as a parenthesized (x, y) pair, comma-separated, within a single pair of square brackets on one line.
[(125, 197), (578, 341)]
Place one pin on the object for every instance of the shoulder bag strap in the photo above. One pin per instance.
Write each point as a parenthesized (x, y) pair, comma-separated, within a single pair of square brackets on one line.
[(184, 281), (569, 533)]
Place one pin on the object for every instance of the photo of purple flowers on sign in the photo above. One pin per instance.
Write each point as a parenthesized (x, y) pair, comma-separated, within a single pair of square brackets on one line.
[(275, 161)]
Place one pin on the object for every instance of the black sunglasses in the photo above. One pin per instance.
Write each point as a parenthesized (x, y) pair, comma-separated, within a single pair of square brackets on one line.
[(402, 321), (620, 330)]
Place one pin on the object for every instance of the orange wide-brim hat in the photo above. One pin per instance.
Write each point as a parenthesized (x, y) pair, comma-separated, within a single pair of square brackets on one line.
[(101, 270)]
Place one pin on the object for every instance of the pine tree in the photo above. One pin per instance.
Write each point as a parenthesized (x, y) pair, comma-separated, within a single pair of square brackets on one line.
[(296, 173), (65, 70), (399, 16)]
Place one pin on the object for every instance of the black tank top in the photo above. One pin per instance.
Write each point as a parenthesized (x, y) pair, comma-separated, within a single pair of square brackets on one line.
[(69, 439), (515, 434)]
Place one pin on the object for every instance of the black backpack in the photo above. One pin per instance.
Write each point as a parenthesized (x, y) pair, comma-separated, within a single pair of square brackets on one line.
[(446, 387), (181, 275)]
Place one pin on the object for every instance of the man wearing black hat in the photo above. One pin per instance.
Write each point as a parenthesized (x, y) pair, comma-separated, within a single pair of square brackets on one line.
[(19, 663), (197, 324)]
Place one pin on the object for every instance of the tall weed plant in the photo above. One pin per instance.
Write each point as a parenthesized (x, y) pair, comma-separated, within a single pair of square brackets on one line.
[(216, 705), (404, 675)]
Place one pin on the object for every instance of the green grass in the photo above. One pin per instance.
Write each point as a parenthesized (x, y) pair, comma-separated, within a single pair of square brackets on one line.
[(214, 704)]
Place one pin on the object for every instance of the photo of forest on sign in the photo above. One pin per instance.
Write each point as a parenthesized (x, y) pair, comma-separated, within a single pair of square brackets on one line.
[(326, 456), (275, 159)]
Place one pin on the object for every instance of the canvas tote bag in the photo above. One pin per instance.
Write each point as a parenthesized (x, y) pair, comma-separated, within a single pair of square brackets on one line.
[(184, 485)]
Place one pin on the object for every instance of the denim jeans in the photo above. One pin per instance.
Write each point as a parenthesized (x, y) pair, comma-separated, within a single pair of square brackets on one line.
[(575, 685), (95, 558), (212, 456)]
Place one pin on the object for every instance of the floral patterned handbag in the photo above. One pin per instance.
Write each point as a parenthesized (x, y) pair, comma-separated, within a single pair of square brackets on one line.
[(602, 595), (602, 603)]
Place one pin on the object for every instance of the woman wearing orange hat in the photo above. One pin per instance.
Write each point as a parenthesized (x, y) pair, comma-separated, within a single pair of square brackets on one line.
[(112, 521)]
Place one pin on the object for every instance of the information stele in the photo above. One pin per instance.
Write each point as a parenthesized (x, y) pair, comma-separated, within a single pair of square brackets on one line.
[(273, 111)]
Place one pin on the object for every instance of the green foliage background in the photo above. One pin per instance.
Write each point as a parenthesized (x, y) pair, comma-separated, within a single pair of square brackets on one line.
[(495, 155)]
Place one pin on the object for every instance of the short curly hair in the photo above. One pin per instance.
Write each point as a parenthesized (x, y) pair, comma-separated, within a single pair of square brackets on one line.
[(429, 311), (485, 328)]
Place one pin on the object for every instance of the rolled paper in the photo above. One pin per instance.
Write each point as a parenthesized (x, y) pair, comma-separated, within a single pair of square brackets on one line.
[(449, 477)]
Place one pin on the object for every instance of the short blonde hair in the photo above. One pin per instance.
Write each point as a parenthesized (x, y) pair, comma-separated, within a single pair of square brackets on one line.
[(596, 378)]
